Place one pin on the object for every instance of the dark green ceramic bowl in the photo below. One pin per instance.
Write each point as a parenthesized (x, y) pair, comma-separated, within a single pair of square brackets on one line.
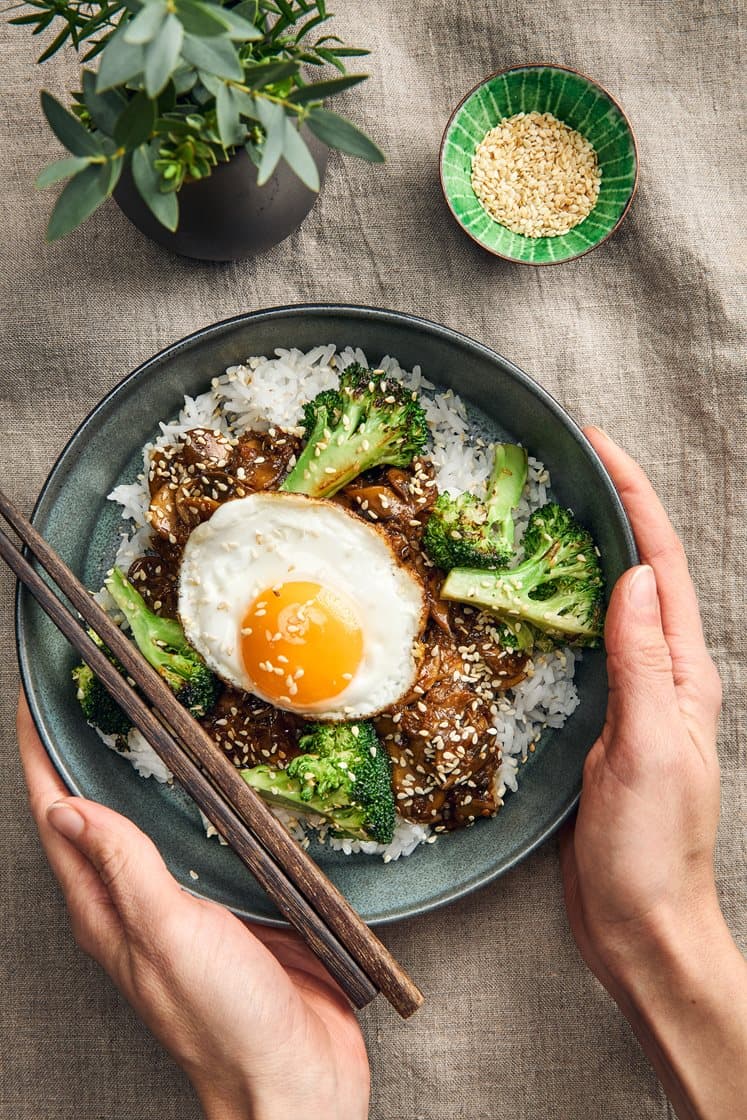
[(581, 104), (73, 514)]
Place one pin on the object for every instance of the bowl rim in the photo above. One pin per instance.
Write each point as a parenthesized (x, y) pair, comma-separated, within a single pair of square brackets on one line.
[(539, 66), (353, 312)]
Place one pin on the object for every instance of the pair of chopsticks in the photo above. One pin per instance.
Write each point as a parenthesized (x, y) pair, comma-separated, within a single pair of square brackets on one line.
[(351, 952)]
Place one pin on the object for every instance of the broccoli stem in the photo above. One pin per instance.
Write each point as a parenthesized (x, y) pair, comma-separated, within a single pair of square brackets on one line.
[(279, 788), (160, 640), (507, 595), (505, 487), (323, 475)]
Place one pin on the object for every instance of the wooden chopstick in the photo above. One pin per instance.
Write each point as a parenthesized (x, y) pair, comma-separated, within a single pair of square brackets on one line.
[(361, 943), (288, 899)]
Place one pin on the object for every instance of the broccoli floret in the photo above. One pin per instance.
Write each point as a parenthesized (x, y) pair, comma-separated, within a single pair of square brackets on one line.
[(98, 706), (466, 532), (557, 590), (162, 642), (343, 775), (370, 421)]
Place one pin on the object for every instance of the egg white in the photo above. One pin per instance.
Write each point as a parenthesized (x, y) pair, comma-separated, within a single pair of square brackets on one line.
[(270, 538)]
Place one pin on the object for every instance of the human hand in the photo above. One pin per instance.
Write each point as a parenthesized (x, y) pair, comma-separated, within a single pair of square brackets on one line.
[(642, 853), (638, 867), (249, 1013)]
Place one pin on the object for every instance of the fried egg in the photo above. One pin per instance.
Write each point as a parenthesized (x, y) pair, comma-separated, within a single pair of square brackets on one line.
[(302, 603)]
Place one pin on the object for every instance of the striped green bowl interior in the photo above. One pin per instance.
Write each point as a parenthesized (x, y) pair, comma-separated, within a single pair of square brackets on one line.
[(582, 105)]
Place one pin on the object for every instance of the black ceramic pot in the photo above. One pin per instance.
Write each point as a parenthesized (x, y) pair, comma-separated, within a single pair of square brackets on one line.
[(227, 216)]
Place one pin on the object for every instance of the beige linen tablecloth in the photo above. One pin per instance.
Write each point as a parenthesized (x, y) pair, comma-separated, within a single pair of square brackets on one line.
[(641, 337)]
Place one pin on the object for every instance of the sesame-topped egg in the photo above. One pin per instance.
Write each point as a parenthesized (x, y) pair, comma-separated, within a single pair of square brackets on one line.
[(302, 603)]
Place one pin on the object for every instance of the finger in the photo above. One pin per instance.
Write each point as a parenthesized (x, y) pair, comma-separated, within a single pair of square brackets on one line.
[(142, 890), (43, 782), (94, 920), (658, 544), (639, 664)]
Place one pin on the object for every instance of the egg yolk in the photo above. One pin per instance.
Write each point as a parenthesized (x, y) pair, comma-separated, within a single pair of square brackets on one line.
[(301, 642)]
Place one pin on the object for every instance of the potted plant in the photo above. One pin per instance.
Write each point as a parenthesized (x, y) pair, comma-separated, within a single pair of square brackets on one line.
[(201, 117)]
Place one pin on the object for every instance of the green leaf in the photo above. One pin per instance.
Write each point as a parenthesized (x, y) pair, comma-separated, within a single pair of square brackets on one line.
[(68, 129), (164, 207), (62, 169), (328, 56), (201, 19), (211, 83), (272, 150), (338, 132), (247, 105), (230, 128), (239, 29), (299, 157), (253, 152), (79, 199), (347, 52), (120, 63), (136, 122), (310, 25), (105, 108), (115, 166), (265, 74), (247, 9), (147, 23), (55, 45), (316, 91), (162, 56), (217, 56), (184, 78)]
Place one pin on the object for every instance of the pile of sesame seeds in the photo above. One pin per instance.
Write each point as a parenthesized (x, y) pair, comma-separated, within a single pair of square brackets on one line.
[(535, 175)]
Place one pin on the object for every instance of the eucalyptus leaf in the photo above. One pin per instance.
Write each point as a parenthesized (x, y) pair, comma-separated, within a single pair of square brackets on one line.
[(105, 108), (211, 83), (184, 78), (201, 19), (239, 29), (162, 56), (68, 129), (254, 153), (163, 206), (298, 156), (316, 91), (230, 128), (338, 132), (267, 111), (136, 122), (265, 74), (115, 166), (82, 195), (274, 143), (247, 105), (62, 169), (217, 56), (147, 23), (120, 62)]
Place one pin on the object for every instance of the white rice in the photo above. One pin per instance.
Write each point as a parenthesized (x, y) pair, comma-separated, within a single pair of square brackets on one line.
[(265, 392)]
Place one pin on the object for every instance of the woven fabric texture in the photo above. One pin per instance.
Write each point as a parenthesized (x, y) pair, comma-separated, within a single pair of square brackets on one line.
[(641, 337)]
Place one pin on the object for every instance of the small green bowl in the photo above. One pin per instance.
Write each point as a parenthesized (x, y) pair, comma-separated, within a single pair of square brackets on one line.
[(581, 104)]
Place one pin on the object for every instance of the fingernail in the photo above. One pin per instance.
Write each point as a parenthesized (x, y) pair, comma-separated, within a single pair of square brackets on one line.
[(65, 820), (596, 428), (642, 594)]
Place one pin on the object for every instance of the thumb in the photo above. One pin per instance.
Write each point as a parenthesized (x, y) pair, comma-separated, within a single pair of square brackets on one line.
[(141, 889), (639, 664)]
